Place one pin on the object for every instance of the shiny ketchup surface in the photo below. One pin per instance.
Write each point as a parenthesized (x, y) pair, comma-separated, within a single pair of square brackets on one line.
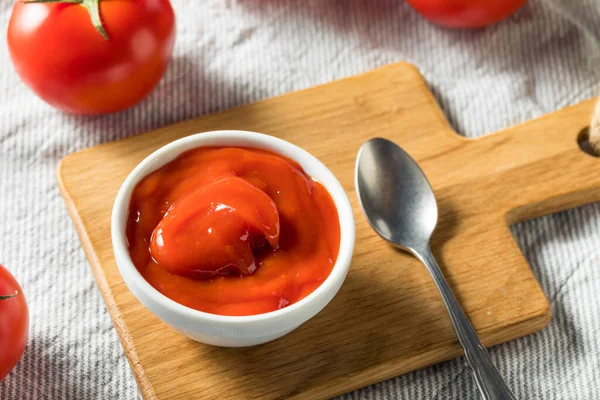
[(233, 231)]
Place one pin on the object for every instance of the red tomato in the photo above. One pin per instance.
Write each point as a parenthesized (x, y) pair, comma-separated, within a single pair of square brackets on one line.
[(466, 13), (64, 59), (14, 322)]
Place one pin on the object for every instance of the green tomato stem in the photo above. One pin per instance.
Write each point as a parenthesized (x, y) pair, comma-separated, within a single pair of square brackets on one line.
[(92, 6), (9, 296)]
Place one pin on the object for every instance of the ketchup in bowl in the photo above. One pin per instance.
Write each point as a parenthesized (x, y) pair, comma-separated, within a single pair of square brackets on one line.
[(233, 231)]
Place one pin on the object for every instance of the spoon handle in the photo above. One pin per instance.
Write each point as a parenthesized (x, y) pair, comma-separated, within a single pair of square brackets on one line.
[(488, 379)]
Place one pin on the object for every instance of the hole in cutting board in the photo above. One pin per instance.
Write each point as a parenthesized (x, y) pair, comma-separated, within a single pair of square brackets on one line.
[(584, 142)]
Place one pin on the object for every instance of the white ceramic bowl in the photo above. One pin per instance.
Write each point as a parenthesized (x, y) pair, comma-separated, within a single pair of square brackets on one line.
[(223, 330)]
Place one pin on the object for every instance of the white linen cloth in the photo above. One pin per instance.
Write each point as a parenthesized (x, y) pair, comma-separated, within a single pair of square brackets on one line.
[(228, 53)]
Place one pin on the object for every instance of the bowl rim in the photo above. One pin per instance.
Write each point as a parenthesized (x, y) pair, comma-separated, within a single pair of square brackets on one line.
[(247, 139)]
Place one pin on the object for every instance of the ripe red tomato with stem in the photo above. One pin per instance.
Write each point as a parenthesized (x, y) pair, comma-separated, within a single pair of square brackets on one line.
[(466, 13), (91, 56), (14, 322)]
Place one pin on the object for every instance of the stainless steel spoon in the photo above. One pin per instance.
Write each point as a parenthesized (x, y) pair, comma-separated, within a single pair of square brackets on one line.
[(400, 206)]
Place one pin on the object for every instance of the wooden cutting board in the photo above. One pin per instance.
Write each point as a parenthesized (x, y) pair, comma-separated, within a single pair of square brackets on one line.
[(388, 318)]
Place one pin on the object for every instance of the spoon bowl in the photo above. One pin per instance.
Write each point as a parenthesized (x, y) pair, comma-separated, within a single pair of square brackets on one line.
[(395, 195)]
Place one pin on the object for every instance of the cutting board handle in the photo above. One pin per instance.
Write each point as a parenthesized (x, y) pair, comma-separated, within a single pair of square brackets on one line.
[(547, 171)]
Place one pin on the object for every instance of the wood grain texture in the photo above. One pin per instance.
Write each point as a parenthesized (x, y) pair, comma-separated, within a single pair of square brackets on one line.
[(388, 318)]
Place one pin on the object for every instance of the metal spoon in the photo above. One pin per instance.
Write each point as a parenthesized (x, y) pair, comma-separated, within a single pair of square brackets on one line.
[(400, 206)]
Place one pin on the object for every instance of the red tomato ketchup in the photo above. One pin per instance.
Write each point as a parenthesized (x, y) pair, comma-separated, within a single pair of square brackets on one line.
[(233, 231)]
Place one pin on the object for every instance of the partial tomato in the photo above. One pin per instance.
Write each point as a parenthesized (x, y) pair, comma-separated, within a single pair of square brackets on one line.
[(466, 13), (14, 322), (67, 61)]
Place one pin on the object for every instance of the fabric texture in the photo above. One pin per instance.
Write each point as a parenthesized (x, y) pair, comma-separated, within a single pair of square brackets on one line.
[(229, 53)]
